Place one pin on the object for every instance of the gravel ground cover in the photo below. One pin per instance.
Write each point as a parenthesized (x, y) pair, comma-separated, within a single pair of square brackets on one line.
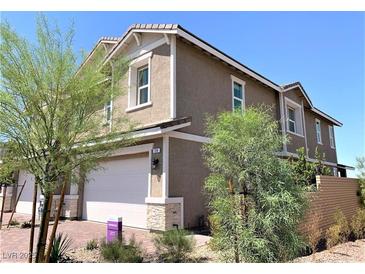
[(350, 252)]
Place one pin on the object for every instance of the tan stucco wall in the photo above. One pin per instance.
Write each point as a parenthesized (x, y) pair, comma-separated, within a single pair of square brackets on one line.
[(330, 153), (160, 92), (186, 178), (204, 86)]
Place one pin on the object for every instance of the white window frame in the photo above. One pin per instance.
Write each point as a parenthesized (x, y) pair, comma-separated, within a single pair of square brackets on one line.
[(331, 133), (318, 133), (290, 120), (298, 111), (242, 83), (133, 92), (138, 103)]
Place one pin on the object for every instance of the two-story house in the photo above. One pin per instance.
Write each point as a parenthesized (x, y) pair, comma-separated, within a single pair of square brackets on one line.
[(174, 80)]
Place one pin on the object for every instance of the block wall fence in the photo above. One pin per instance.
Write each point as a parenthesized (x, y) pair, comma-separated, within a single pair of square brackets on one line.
[(332, 193)]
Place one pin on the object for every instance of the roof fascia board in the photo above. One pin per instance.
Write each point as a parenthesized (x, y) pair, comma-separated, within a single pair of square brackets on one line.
[(334, 121), (303, 92), (315, 110)]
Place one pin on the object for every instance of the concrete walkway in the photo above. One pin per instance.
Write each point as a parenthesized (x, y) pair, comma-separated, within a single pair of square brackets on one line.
[(14, 242)]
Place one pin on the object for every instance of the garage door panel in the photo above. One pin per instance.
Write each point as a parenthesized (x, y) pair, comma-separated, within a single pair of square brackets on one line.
[(134, 215), (119, 188)]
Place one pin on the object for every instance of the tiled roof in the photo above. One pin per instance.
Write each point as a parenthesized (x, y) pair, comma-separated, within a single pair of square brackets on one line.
[(290, 85), (109, 38)]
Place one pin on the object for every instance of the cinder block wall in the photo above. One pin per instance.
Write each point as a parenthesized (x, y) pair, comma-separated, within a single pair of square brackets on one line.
[(333, 193)]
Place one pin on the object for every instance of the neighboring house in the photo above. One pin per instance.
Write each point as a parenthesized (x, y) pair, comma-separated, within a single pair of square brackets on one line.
[(174, 80)]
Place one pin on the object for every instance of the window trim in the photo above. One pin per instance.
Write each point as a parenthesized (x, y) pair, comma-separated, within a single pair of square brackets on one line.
[(242, 100), (298, 109), (139, 62), (317, 121), (331, 134)]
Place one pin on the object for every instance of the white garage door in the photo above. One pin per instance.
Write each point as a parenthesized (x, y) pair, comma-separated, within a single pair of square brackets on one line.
[(26, 199), (119, 188)]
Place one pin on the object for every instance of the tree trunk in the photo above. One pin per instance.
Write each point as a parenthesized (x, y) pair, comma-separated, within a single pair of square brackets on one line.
[(43, 229), (231, 190), (34, 206), (57, 218), (3, 206)]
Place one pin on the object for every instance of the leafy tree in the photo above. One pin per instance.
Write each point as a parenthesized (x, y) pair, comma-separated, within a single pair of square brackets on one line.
[(51, 110), (255, 206), (303, 171), (320, 168), (361, 169)]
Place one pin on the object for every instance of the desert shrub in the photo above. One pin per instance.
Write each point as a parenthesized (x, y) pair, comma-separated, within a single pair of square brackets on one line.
[(26, 224), (174, 246), (339, 231), (61, 244), (358, 224), (253, 200), (360, 166), (14, 222), (92, 244), (118, 251), (314, 232)]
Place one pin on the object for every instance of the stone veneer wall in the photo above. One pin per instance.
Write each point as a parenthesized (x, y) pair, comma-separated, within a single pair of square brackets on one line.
[(69, 209), (163, 216)]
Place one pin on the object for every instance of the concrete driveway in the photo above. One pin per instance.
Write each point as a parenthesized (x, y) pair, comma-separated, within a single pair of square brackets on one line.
[(14, 242)]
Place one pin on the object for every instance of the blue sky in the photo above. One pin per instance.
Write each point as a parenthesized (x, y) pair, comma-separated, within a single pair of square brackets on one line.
[(325, 51)]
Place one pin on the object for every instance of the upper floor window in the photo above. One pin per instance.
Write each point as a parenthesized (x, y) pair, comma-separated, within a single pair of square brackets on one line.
[(332, 136), (139, 83), (291, 119), (238, 93), (142, 96), (294, 117), (318, 131)]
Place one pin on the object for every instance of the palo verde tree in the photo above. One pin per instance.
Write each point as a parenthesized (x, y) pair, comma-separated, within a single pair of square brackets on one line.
[(254, 204), (51, 110)]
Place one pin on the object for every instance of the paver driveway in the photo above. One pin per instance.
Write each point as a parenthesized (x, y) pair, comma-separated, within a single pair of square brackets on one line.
[(14, 242)]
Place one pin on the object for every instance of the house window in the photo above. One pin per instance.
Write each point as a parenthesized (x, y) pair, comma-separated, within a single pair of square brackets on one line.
[(108, 112), (332, 136), (318, 131), (294, 117), (238, 93), (291, 119), (139, 83), (142, 96)]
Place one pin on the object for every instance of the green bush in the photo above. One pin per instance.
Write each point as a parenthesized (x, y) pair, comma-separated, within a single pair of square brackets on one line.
[(14, 222), (61, 244), (92, 244), (118, 251), (339, 231), (174, 246), (358, 224)]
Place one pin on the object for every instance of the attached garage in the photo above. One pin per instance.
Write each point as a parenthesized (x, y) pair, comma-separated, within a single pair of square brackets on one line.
[(118, 188), (26, 199)]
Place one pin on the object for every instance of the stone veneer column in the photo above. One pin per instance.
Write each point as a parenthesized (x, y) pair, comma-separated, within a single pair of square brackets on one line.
[(163, 214)]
